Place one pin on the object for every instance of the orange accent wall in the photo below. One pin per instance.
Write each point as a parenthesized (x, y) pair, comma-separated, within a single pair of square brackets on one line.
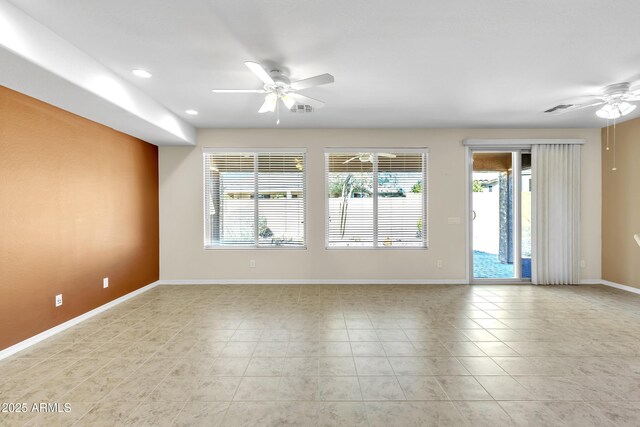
[(78, 202)]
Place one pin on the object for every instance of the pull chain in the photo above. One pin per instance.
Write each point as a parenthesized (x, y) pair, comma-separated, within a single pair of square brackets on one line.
[(277, 112), (614, 168), (607, 134)]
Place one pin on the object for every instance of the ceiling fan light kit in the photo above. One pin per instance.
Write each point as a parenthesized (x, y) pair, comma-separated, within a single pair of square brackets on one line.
[(615, 111), (278, 87), (616, 102)]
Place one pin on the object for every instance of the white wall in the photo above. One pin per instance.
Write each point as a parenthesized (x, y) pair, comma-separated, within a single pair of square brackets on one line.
[(182, 256)]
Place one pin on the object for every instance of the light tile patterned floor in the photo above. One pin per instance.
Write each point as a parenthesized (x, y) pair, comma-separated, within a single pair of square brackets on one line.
[(341, 355)]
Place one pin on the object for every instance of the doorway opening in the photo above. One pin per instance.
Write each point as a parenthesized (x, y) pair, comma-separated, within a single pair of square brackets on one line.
[(501, 215)]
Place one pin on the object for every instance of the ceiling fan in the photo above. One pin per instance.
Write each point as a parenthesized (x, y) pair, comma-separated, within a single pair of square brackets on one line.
[(368, 157), (615, 100), (278, 87)]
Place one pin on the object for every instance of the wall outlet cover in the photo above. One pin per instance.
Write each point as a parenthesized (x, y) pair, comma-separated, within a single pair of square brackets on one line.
[(105, 282), (58, 300)]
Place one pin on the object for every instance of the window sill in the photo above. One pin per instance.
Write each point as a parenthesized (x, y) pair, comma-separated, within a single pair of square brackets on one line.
[(377, 248), (253, 248)]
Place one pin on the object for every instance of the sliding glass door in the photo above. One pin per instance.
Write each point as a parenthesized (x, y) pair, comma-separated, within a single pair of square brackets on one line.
[(500, 215)]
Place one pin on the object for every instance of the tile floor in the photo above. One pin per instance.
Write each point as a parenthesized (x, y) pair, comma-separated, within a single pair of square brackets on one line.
[(341, 355)]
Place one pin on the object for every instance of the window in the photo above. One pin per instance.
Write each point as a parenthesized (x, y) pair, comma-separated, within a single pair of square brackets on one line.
[(376, 198), (254, 198)]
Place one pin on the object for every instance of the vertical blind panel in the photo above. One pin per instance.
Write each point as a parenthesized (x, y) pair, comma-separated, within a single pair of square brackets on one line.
[(230, 194), (400, 198), (350, 197), (281, 201)]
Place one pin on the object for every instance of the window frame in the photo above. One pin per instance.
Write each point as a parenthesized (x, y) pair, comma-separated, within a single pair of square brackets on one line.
[(255, 152), (425, 205)]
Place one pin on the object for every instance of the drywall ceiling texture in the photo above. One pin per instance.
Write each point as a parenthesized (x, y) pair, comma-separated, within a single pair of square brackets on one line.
[(182, 256), (408, 64), (621, 205)]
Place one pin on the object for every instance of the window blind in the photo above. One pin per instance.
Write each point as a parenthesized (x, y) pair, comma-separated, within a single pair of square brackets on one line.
[(254, 198), (281, 201), (376, 198)]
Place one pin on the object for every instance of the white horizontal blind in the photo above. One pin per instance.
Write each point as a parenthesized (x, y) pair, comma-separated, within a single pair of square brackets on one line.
[(229, 199), (350, 199), (401, 199), (281, 201), (254, 199), (376, 198)]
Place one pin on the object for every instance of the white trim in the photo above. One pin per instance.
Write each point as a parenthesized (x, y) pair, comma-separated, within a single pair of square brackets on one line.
[(591, 282), (255, 245), (516, 212), (468, 173), (517, 142), (423, 151), (314, 282), (72, 322), (372, 150), (425, 194), (611, 285), (252, 150), (375, 197), (516, 151)]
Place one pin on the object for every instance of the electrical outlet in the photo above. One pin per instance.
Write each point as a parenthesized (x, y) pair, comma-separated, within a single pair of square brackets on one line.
[(252, 263), (105, 282), (583, 263), (439, 263), (58, 300)]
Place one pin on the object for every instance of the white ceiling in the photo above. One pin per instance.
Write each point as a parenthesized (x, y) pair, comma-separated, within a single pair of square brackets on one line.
[(409, 63)]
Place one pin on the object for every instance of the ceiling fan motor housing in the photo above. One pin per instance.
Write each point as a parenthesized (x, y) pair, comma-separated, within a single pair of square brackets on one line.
[(616, 90), (280, 80)]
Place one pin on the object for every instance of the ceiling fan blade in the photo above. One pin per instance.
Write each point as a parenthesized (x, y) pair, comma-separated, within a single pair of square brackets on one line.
[(322, 79), (269, 105), (288, 101), (265, 107), (632, 97), (302, 99), (238, 91), (389, 155), (584, 99), (350, 160), (259, 72), (576, 107)]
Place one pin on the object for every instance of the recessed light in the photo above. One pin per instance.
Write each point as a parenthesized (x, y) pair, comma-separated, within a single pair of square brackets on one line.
[(141, 73), (191, 112)]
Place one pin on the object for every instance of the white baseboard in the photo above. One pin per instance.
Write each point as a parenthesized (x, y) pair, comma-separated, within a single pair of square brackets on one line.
[(591, 282), (72, 322), (619, 286), (312, 282)]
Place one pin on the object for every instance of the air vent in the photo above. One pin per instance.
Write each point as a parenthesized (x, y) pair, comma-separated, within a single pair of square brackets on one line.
[(302, 108), (559, 107)]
